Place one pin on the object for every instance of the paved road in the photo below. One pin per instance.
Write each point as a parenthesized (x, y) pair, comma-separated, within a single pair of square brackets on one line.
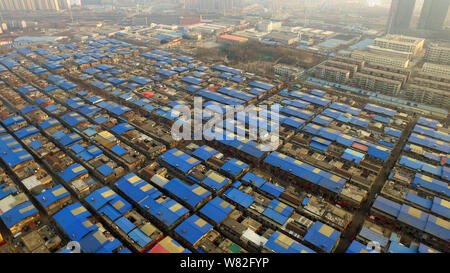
[(360, 215)]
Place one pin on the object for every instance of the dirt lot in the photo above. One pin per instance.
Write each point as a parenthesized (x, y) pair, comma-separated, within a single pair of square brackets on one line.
[(252, 52)]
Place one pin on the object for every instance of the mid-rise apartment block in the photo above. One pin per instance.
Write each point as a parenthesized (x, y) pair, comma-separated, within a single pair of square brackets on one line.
[(380, 59), (436, 69), (433, 77), (432, 96), (377, 84), (412, 45), (390, 68), (438, 53), (352, 68), (332, 74), (288, 72), (385, 74), (349, 60), (390, 52), (441, 85)]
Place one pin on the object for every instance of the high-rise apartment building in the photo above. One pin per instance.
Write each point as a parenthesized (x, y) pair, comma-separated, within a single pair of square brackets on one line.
[(217, 6), (400, 15), (90, 2), (433, 14), (24, 5)]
